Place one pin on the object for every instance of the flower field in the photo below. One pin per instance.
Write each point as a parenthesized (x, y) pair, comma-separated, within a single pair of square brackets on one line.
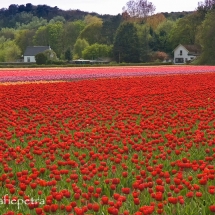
[(35, 74), (125, 145)]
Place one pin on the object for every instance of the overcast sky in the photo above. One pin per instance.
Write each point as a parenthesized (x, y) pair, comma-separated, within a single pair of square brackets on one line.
[(112, 7)]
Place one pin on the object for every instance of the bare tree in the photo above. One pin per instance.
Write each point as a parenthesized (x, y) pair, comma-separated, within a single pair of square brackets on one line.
[(138, 8), (206, 5)]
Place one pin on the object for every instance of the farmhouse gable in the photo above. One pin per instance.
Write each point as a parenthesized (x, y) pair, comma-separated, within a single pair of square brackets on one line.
[(32, 51), (185, 53)]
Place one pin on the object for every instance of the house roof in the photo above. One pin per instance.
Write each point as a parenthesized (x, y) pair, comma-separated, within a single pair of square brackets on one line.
[(34, 50), (192, 49)]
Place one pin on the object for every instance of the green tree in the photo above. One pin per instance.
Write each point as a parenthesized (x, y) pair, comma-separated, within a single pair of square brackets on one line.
[(8, 33), (71, 31), (126, 44), (55, 32), (9, 51), (185, 30), (57, 19), (24, 38), (145, 38), (40, 58), (109, 28), (24, 17), (97, 51), (2, 42), (50, 55), (79, 46), (12, 52), (163, 32), (41, 37), (207, 39), (92, 32), (89, 19), (68, 54), (35, 23)]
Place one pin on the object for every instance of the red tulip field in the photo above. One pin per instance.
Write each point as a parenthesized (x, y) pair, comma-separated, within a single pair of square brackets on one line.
[(132, 144)]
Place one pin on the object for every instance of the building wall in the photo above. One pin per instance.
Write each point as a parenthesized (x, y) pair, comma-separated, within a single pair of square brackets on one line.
[(181, 55), (29, 59)]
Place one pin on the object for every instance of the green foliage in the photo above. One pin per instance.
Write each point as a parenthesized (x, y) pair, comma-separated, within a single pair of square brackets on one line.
[(109, 28), (55, 31), (2, 41), (41, 36), (8, 33), (50, 55), (24, 38), (41, 58), (163, 32), (35, 23), (9, 51), (79, 46), (126, 44), (97, 51), (173, 16), (144, 36), (24, 17), (50, 35), (92, 32), (41, 25), (57, 19), (89, 19), (55, 62), (12, 52), (68, 54), (71, 32), (18, 15), (185, 30), (207, 39)]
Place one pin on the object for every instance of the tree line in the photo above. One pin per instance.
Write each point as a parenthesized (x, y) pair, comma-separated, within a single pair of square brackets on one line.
[(136, 35)]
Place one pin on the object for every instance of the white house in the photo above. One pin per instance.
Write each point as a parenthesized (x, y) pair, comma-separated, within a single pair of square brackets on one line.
[(185, 53), (32, 51)]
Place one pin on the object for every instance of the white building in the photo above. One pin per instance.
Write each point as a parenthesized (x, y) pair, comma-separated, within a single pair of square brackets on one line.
[(185, 53), (32, 51)]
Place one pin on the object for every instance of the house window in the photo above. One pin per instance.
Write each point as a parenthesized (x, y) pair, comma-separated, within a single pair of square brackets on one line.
[(28, 59), (179, 60), (180, 52)]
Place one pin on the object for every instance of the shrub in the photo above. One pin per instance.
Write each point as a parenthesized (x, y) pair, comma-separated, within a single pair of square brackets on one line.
[(159, 56), (50, 55), (55, 62), (40, 58)]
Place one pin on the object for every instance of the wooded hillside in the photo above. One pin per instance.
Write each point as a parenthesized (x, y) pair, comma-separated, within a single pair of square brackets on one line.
[(77, 34)]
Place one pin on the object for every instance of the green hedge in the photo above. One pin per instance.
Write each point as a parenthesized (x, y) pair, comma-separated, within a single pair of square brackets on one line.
[(66, 64)]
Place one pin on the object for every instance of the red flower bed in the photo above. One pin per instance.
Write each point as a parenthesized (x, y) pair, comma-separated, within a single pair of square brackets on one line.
[(109, 146)]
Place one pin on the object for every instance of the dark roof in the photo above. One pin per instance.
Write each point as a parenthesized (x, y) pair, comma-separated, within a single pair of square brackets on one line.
[(193, 49), (33, 50)]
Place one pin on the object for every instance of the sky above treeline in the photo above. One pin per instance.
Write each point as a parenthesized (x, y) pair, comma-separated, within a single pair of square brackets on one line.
[(112, 7)]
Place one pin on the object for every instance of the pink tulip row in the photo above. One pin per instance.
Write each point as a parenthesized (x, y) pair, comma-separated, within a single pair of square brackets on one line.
[(38, 74)]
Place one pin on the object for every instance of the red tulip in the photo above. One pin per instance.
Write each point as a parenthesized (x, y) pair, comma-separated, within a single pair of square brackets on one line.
[(212, 208)]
